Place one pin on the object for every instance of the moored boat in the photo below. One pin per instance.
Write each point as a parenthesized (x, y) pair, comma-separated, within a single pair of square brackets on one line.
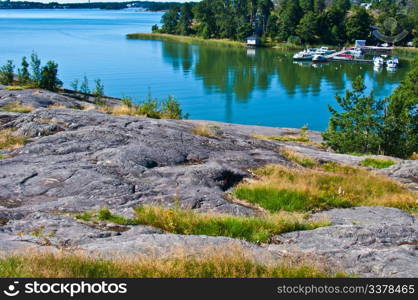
[(378, 61), (303, 56), (391, 64), (318, 58), (324, 51)]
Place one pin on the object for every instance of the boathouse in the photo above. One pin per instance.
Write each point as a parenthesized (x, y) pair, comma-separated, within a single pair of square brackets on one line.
[(253, 41)]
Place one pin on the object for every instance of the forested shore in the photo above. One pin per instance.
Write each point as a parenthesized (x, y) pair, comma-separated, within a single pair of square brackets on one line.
[(336, 22)]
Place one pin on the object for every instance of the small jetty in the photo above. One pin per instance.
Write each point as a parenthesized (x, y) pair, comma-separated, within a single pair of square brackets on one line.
[(353, 54), (338, 56)]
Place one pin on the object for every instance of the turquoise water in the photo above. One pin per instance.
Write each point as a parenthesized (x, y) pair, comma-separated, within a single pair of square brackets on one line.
[(262, 87)]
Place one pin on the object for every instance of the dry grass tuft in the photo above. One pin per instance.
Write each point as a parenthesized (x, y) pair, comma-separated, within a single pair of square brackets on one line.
[(300, 159), (17, 107), (414, 156), (323, 187), (253, 229), (10, 140), (57, 106), (203, 130), (210, 264), (121, 110), (19, 87)]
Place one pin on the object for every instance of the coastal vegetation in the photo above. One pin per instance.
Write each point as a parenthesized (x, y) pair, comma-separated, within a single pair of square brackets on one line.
[(229, 263), (45, 77), (364, 124), (301, 160), (302, 137), (152, 108), (377, 163), (148, 5), (10, 140), (17, 107), (184, 39), (302, 21), (203, 130), (322, 187), (258, 229)]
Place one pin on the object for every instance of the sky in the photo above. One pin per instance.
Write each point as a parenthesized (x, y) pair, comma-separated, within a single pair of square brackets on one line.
[(84, 1)]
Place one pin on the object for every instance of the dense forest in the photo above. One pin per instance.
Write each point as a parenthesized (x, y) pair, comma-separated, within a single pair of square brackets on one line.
[(334, 22), (148, 5)]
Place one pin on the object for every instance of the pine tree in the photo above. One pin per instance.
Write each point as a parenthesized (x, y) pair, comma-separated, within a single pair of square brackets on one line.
[(23, 72), (358, 25), (7, 73), (49, 77), (35, 64), (307, 29), (357, 124), (400, 131)]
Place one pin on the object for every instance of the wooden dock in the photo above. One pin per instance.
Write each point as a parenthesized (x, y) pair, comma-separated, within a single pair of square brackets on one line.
[(373, 50), (336, 57)]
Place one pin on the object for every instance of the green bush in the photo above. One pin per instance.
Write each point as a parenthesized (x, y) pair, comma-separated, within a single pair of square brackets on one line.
[(49, 77), (7, 73), (363, 124)]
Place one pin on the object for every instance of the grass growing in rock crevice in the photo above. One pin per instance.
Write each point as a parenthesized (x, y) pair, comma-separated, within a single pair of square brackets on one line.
[(209, 265), (377, 163), (17, 107), (151, 108), (323, 187), (10, 140), (203, 130), (300, 138), (302, 160), (253, 229)]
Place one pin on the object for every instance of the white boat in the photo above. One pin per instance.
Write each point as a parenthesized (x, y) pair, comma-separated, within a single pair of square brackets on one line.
[(324, 51), (391, 64), (356, 52), (304, 55), (378, 61), (319, 58)]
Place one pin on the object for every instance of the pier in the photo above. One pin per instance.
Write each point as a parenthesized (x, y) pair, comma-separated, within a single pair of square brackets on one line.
[(336, 57)]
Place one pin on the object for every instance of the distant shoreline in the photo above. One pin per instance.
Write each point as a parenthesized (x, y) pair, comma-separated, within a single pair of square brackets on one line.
[(202, 41)]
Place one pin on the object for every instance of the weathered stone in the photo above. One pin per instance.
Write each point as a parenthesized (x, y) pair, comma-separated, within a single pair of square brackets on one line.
[(367, 241), (82, 160)]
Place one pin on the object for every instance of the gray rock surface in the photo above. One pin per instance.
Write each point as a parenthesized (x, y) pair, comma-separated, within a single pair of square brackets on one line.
[(81, 160), (368, 241)]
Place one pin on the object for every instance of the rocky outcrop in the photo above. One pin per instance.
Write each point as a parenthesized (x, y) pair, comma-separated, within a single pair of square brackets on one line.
[(370, 241), (79, 160)]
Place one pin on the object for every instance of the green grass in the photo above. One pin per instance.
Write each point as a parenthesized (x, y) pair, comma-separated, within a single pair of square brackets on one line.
[(19, 87), (377, 163), (85, 216), (187, 222), (276, 199), (3, 156), (297, 138), (323, 187), (210, 265), (106, 215), (185, 39)]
